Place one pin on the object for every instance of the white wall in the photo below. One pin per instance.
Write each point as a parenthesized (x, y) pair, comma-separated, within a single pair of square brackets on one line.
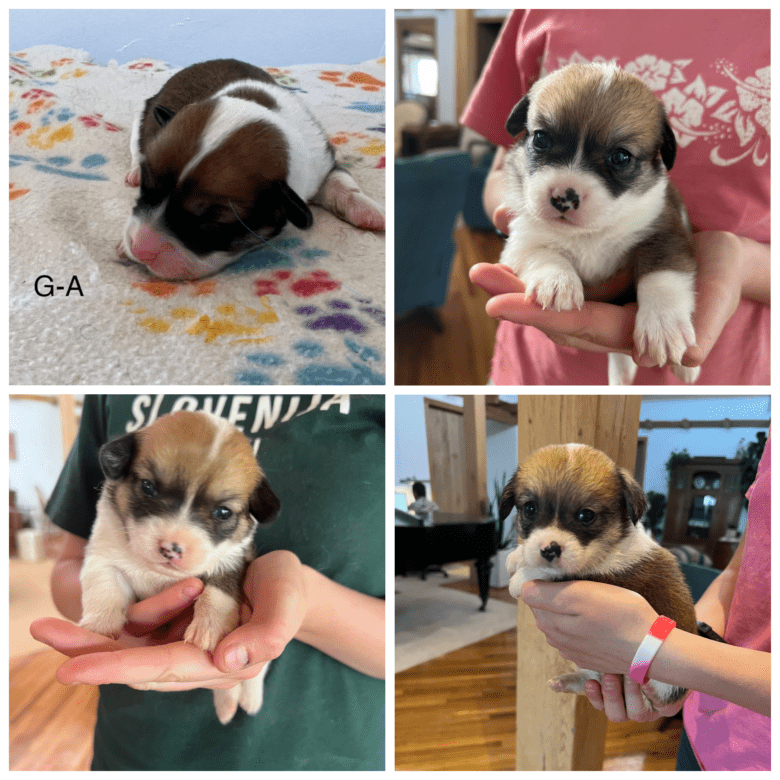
[(36, 429), (181, 37)]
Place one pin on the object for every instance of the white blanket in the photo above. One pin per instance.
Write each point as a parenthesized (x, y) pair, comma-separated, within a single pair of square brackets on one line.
[(308, 309)]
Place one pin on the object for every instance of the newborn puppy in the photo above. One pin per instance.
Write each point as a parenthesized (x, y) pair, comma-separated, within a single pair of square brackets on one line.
[(225, 157), (182, 498), (588, 182), (579, 518)]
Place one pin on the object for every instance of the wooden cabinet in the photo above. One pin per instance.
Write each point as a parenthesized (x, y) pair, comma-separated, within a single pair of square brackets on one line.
[(705, 500)]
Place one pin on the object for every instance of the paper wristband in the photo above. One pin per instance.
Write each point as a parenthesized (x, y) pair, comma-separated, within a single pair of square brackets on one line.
[(649, 646)]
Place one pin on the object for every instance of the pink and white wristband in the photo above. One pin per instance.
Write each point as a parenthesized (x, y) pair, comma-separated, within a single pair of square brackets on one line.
[(649, 646)]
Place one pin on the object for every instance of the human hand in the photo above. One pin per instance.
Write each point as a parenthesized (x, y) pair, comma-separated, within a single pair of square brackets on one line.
[(150, 654), (604, 327), (621, 699), (597, 626)]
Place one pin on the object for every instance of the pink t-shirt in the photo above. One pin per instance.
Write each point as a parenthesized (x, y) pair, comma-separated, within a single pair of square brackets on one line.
[(711, 71), (725, 736)]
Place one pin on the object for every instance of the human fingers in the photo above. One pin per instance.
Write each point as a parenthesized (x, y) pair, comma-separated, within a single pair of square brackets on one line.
[(146, 667), (592, 690), (614, 703), (70, 639), (637, 707), (495, 278), (275, 591), (149, 614), (599, 327)]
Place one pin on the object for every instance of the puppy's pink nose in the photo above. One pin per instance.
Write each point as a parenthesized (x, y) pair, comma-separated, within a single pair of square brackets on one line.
[(171, 550)]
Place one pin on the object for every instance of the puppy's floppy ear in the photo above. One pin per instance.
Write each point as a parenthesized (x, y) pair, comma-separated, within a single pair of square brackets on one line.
[(515, 124), (162, 115), (636, 500), (507, 502), (294, 208), (668, 145), (116, 456), (264, 504)]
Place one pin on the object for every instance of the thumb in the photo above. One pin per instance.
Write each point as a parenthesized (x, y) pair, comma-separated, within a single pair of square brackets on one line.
[(274, 623)]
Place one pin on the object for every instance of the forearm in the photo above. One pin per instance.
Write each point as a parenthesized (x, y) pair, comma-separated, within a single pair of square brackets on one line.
[(344, 624), (733, 674), (755, 271), (66, 588)]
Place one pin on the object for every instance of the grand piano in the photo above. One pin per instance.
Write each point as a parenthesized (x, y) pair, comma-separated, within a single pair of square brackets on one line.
[(445, 537)]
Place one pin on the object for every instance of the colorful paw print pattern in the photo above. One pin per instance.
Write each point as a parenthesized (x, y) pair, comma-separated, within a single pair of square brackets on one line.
[(306, 307)]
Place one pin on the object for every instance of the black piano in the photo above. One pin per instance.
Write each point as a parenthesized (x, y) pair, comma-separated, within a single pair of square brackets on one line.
[(445, 537)]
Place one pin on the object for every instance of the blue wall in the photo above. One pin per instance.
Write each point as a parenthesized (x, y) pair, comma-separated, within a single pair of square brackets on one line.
[(180, 37)]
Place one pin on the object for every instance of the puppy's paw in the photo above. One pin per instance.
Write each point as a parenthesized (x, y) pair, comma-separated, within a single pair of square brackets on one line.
[(226, 702), (251, 696), (686, 374), (514, 560), (107, 621), (621, 369), (554, 287), (341, 194), (574, 682), (133, 178), (205, 632), (663, 328)]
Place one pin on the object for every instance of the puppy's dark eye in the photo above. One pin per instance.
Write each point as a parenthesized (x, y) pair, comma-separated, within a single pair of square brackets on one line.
[(222, 513), (542, 141), (530, 510), (620, 158), (148, 487), (586, 516)]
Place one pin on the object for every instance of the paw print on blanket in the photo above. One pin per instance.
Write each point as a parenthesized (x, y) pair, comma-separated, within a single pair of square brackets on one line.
[(356, 365), (342, 316), (88, 168), (301, 285), (224, 323), (354, 79)]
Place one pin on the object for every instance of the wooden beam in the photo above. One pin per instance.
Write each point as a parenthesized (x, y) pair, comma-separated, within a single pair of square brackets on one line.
[(560, 731), (475, 461)]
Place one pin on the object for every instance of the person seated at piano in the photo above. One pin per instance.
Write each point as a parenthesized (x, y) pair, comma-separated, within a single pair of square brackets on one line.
[(421, 505)]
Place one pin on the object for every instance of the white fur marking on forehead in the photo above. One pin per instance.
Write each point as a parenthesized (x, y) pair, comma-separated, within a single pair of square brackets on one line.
[(229, 116), (223, 429)]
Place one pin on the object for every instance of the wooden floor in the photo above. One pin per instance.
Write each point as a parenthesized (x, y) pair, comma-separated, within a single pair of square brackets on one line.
[(457, 712), (51, 725), (461, 354)]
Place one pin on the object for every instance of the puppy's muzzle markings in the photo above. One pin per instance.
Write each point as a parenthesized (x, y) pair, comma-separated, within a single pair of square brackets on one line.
[(569, 200), (551, 552)]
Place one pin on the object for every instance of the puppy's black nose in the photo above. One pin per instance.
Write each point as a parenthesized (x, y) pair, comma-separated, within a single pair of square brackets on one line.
[(171, 550), (551, 552), (569, 200)]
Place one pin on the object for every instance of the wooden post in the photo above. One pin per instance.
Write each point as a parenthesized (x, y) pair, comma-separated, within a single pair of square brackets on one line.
[(561, 731), (475, 454)]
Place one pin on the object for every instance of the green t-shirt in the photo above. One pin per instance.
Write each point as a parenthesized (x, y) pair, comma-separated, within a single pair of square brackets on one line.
[(324, 457)]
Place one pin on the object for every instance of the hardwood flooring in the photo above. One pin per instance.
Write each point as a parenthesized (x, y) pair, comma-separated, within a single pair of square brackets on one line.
[(50, 725), (457, 712), (461, 353)]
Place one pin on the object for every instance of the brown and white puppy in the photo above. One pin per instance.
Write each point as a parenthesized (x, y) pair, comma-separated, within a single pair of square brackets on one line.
[(225, 157), (579, 518), (182, 498), (588, 182)]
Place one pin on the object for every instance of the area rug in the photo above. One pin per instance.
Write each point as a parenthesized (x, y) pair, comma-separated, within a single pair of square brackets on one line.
[(431, 620), (307, 309)]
